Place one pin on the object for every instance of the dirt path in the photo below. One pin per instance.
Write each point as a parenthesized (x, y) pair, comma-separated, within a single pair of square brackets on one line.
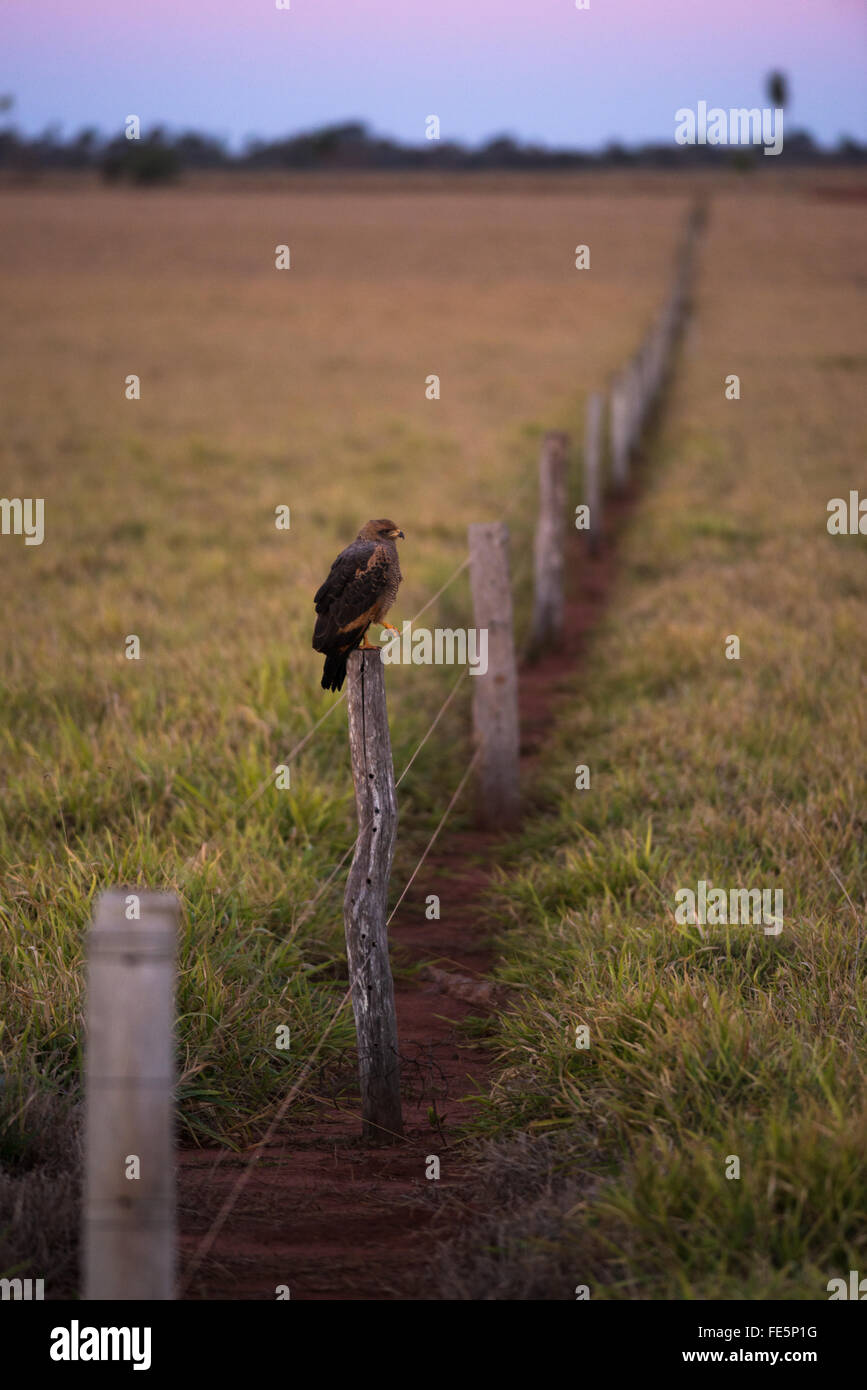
[(323, 1214)]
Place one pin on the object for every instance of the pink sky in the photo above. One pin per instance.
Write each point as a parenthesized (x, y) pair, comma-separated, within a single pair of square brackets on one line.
[(538, 68)]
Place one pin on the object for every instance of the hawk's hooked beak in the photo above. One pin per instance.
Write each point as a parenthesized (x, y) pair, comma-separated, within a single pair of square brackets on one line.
[(395, 535)]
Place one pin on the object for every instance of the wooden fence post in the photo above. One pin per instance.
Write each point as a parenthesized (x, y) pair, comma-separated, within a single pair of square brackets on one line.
[(593, 466), (129, 1190), (648, 376), (549, 548), (637, 372), (620, 401), (635, 391), (495, 694), (646, 379), (366, 898), (659, 355)]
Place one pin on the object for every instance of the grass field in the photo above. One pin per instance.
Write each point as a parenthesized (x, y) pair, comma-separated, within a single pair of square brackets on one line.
[(706, 1042), (306, 388), (258, 388)]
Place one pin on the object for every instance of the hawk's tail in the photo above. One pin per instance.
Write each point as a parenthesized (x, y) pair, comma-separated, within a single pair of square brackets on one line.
[(334, 671)]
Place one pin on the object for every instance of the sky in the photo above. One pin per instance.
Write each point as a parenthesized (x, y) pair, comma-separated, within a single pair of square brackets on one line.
[(537, 69)]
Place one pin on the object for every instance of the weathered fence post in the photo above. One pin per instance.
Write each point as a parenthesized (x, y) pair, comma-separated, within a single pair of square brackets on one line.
[(620, 403), (593, 466), (649, 374), (637, 409), (549, 549), (129, 1189), (365, 900), (495, 694), (658, 355), (636, 389)]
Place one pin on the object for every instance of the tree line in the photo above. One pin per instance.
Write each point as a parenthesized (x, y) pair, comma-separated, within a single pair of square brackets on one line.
[(160, 155)]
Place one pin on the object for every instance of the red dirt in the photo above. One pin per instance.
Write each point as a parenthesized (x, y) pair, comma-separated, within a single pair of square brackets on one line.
[(322, 1213), (856, 194)]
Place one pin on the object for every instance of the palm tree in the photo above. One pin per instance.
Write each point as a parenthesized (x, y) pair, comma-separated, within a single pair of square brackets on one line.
[(778, 89)]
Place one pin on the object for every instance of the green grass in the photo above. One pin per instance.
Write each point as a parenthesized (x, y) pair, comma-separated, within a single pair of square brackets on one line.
[(257, 391), (705, 1042), (610, 1162)]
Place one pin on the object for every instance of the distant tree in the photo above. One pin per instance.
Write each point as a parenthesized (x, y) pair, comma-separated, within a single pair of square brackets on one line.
[(744, 160), (333, 142), (149, 161), (778, 89), (617, 154), (200, 151)]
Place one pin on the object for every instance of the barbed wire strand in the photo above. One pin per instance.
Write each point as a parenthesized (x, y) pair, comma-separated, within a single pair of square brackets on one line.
[(266, 783), (442, 709), (222, 1216), (430, 843), (451, 579), (302, 743), (311, 904), (207, 1242)]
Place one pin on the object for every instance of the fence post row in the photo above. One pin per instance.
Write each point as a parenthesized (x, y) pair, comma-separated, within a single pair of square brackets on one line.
[(495, 694), (128, 1214), (549, 547), (620, 431), (366, 898), (129, 1195), (635, 391)]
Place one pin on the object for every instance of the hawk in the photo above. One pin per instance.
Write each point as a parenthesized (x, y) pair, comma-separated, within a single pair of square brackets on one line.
[(360, 588)]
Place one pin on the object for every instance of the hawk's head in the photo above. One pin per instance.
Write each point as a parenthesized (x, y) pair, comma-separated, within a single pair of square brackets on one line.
[(381, 530)]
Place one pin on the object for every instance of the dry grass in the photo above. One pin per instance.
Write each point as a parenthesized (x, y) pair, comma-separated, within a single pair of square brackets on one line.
[(40, 1187), (708, 1042), (259, 388), (307, 388)]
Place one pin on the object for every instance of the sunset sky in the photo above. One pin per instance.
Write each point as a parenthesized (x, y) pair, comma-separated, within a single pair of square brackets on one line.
[(539, 69)]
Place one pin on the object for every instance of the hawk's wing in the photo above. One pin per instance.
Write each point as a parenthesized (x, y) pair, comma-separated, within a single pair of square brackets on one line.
[(348, 599)]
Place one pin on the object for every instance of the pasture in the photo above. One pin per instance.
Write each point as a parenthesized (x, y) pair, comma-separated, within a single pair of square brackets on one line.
[(305, 388), (706, 1042)]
